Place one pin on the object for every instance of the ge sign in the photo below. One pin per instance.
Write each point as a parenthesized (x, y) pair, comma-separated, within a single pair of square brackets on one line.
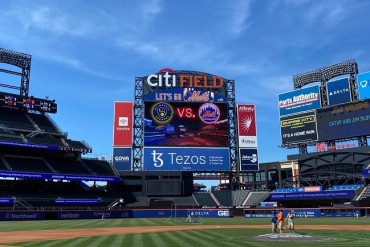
[(224, 213)]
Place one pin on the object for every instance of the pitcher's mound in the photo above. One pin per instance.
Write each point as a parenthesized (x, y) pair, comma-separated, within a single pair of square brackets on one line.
[(291, 237)]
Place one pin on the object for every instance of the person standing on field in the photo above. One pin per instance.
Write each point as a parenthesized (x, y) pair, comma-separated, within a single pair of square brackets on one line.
[(289, 218), (273, 221), (280, 217)]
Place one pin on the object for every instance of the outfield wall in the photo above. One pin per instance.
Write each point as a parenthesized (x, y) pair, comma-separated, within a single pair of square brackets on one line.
[(114, 214), (175, 213), (310, 212)]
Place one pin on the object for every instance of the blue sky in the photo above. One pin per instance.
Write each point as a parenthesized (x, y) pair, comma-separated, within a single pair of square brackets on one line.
[(86, 54)]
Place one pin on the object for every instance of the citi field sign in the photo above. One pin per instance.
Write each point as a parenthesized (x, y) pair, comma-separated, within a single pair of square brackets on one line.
[(169, 78)]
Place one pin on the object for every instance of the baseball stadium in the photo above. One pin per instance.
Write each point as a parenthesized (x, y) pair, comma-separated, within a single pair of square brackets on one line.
[(183, 126)]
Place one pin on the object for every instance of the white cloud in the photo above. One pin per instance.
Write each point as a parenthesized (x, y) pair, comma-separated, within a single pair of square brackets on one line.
[(50, 19), (152, 7), (330, 13), (241, 12)]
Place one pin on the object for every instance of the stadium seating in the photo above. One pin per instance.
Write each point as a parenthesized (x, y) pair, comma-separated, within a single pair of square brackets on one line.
[(9, 136), (15, 120), (68, 165), (204, 199), (45, 140), (44, 123), (78, 145), (239, 196), (3, 167), (224, 197), (27, 164), (254, 198), (99, 167), (365, 193)]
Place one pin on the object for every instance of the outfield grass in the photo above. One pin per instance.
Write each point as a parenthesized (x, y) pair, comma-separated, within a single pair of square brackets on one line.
[(191, 238)]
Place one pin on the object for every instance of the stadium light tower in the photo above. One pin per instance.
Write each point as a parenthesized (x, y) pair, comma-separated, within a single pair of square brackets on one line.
[(20, 60)]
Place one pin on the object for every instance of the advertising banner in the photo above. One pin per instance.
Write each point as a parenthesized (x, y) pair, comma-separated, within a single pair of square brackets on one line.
[(122, 158), (300, 100), (349, 213), (184, 95), (312, 188), (298, 213), (338, 91), (248, 159), (247, 129), (168, 78), (92, 214), (298, 128), (179, 159), (122, 125), (363, 85), (32, 175), (343, 121), (77, 201), (366, 172), (143, 213), (21, 215), (194, 213), (179, 124), (29, 145), (7, 200), (342, 194)]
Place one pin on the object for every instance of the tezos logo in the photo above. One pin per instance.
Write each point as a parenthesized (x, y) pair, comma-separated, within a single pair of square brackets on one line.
[(209, 113), (157, 159), (162, 113), (123, 121)]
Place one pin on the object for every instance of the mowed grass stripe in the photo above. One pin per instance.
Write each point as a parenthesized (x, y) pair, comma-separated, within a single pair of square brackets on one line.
[(138, 240), (118, 240), (168, 239), (56, 243), (99, 241), (177, 240), (73, 242), (207, 235), (217, 236), (157, 239), (190, 239)]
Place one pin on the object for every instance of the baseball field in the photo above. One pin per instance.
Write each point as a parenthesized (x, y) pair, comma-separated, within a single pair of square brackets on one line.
[(231, 232)]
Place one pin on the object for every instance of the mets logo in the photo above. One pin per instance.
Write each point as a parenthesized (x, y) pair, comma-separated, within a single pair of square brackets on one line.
[(209, 113), (162, 113)]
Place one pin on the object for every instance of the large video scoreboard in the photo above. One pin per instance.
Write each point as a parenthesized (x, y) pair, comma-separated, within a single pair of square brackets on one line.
[(185, 121), (322, 113), (27, 102)]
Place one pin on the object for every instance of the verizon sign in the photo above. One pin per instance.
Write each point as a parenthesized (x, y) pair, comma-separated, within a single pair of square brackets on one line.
[(247, 126)]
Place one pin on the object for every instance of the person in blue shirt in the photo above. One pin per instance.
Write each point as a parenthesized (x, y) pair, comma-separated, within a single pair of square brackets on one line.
[(273, 221), (357, 213)]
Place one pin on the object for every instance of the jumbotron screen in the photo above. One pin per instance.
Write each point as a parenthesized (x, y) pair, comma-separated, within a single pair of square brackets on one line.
[(184, 124)]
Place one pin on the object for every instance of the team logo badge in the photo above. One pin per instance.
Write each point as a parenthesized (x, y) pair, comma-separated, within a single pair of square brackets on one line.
[(162, 113), (209, 113)]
